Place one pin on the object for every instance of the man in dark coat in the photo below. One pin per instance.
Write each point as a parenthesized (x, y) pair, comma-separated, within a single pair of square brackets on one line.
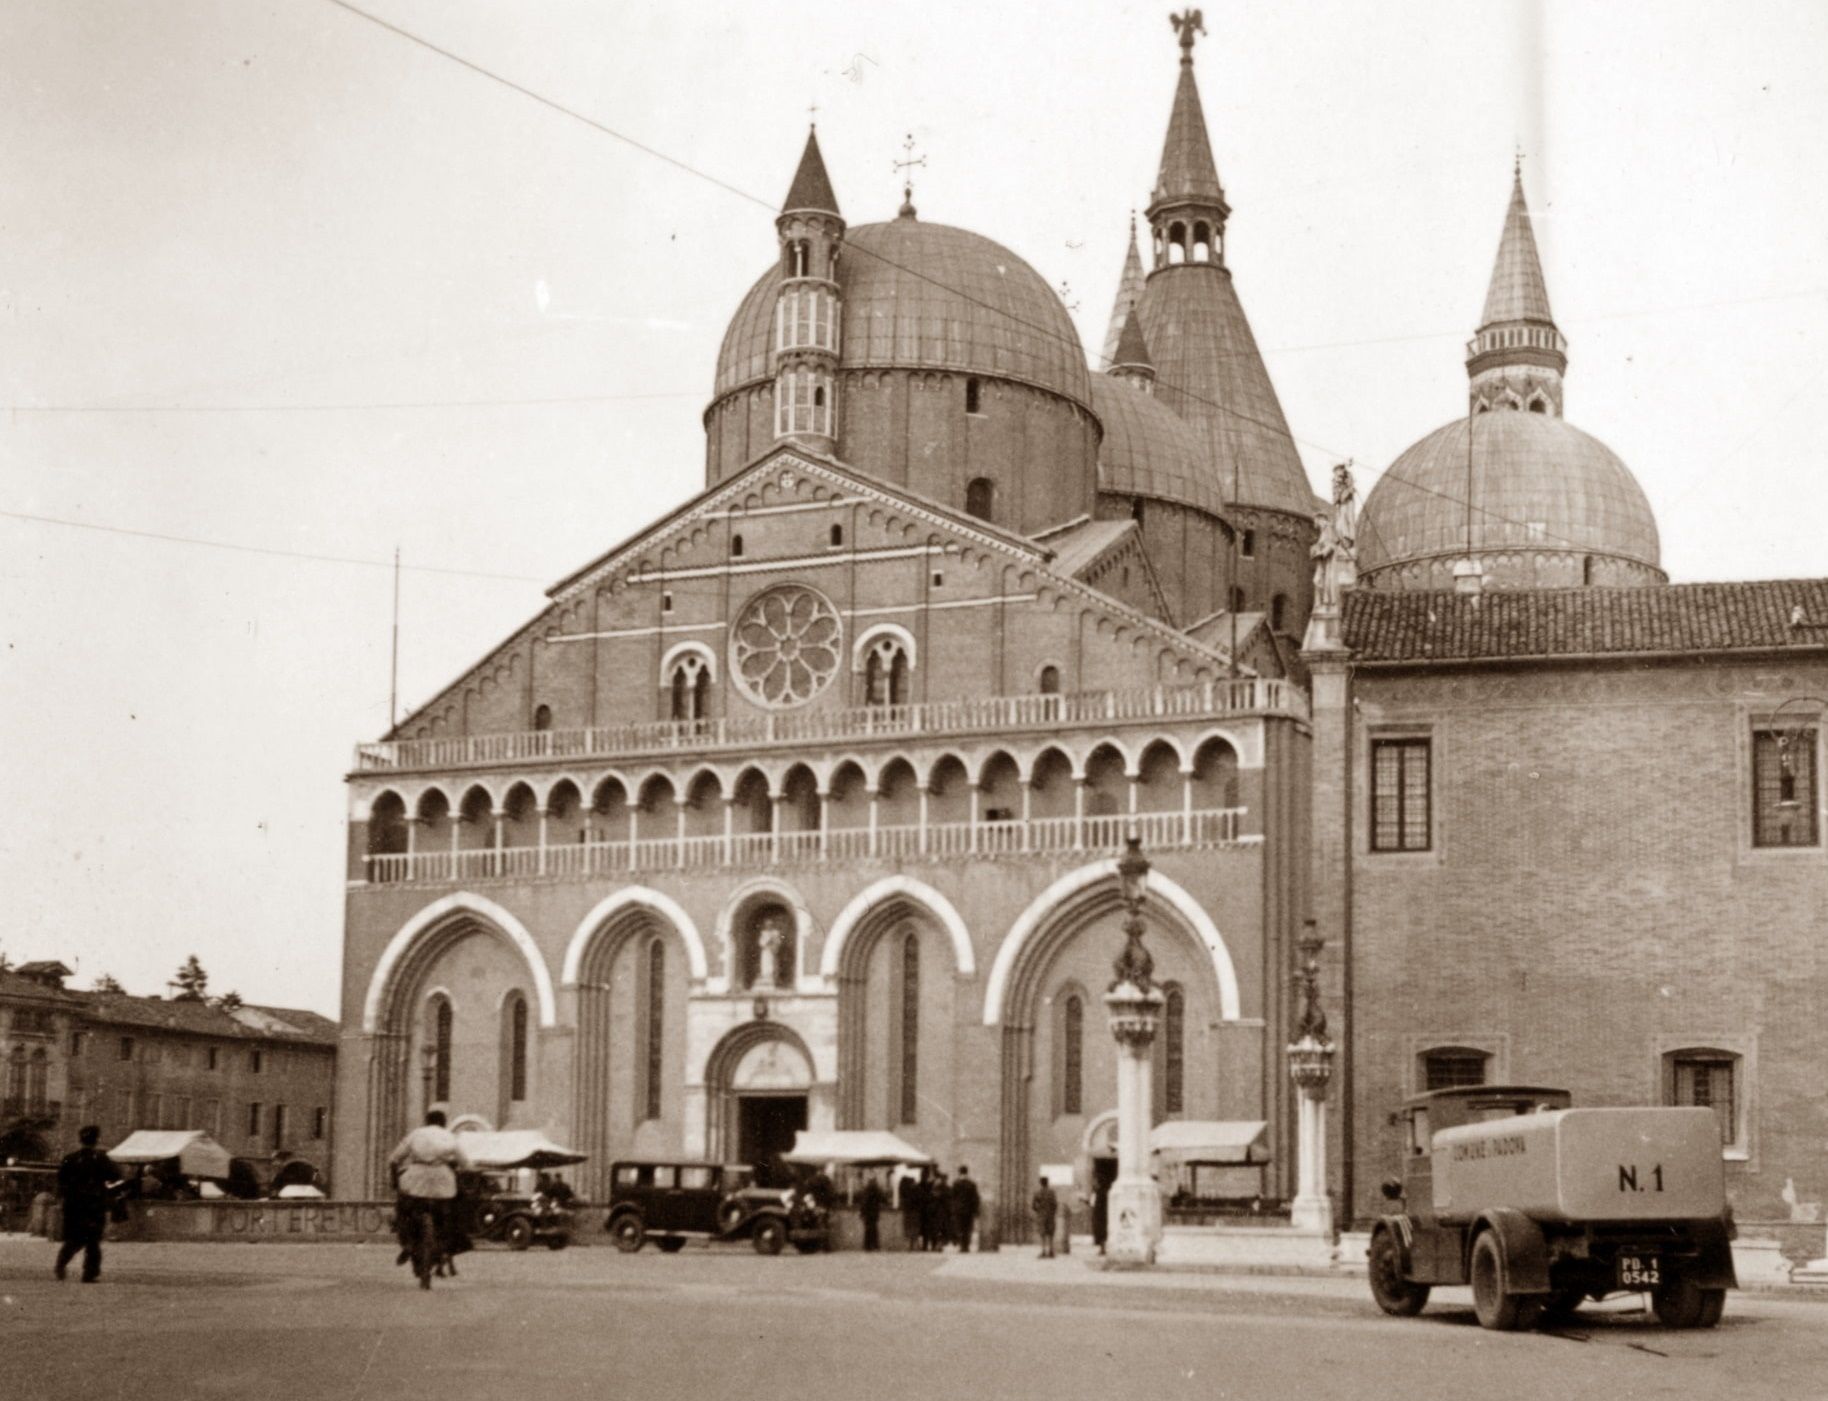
[(965, 1204), (913, 1208), (869, 1206), (83, 1181), (935, 1211), (1047, 1211)]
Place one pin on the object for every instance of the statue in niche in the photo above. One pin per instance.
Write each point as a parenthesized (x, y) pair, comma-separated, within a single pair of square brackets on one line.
[(773, 953)]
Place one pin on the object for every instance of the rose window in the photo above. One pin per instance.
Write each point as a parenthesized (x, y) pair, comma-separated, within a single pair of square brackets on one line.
[(784, 648)]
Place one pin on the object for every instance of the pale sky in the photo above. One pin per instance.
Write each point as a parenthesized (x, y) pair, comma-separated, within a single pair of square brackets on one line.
[(275, 277)]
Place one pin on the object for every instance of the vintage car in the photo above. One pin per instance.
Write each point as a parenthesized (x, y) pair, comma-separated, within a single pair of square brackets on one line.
[(515, 1218), (671, 1203), (1540, 1206)]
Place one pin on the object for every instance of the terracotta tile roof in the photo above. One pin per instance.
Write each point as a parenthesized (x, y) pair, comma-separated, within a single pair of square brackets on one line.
[(247, 1022), (14, 984), (1547, 623)]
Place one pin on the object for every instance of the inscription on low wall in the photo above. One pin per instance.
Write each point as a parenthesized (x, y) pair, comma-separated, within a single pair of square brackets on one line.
[(295, 1222)]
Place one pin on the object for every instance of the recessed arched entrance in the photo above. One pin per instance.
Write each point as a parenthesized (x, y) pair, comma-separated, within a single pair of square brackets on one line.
[(759, 1082)]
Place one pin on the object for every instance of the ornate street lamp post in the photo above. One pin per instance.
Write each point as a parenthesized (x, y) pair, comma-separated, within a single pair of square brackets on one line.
[(1310, 1063), (1134, 1004)]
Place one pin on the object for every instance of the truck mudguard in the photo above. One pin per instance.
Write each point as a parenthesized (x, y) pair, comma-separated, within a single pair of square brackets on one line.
[(1525, 1252), (1714, 1256)]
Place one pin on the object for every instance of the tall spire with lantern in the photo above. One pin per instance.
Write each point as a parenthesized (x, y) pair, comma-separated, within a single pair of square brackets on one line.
[(1518, 356), (1187, 211), (808, 307)]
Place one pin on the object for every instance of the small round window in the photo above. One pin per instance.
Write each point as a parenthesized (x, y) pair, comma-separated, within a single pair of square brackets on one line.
[(786, 646)]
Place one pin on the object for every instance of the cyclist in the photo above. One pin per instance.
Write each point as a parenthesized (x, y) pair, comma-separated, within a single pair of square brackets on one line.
[(426, 1165)]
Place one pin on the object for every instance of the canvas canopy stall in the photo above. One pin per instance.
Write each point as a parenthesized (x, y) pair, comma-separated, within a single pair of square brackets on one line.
[(862, 1148), (516, 1148), (1210, 1163), (195, 1152)]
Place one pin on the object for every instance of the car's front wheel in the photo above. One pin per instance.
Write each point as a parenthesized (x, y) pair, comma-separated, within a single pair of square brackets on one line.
[(770, 1235), (627, 1233), (518, 1233)]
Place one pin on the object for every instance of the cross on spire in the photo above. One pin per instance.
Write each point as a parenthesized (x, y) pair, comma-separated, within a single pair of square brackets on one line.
[(906, 165), (812, 114)]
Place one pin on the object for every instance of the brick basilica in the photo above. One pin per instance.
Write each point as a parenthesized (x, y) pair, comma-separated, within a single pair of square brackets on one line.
[(800, 807)]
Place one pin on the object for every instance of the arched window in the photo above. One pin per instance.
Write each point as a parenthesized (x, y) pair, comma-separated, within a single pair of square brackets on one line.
[(973, 398), (909, 1096), (1202, 244), (1237, 599), (736, 547), (542, 717), (1278, 612), (885, 673), (441, 1049), (1072, 1056), (1174, 1051), (15, 1074), (837, 536), (818, 396), (655, 1008), (514, 1013), (799, 259), (690, 684), (1586, 570), (980, 498), (1177, 243), (1050, 680), (1539, 405)]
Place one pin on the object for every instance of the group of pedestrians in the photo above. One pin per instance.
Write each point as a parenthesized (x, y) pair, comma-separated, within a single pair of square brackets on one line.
[(937, 1212)]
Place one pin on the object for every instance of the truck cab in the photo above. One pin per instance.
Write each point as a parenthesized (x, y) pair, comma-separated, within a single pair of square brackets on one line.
[(1540, 1206)]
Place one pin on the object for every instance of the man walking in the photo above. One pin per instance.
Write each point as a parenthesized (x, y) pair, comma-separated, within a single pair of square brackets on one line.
[(965, 1204), (1047, 1211), (83, 1180), (869, 1206), (913, 1193), (427, 1162)]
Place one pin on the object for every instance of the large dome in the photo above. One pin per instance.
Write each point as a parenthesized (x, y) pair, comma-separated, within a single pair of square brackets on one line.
[(1540, 487), (1148, 450), (926, 296)]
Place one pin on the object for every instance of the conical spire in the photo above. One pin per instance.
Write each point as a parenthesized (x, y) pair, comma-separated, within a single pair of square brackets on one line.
[(811, 188), (1517, 292), (1132, 349), (1129, 291), (1188, 175), (1517, 357)]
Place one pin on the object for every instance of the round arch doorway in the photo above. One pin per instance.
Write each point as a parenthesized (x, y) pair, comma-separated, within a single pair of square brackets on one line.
[(761, 1083)]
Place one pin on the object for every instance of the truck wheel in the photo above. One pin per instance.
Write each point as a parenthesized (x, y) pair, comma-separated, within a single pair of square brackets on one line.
[(628, 1233), (518, 1233), (1497, 1310), (1394, 1294), (1684, 1304), (770, 1236)]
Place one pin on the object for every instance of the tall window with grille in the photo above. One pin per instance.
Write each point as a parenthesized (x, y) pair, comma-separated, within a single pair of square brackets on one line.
[(1401, 816), (910, 1028), (1709, 1077), (1174, 1050), (654, 1057), (441, 1048), (1072, 1056), (802, 403), (516, 1018), (1450, 1067), (1785, 806)]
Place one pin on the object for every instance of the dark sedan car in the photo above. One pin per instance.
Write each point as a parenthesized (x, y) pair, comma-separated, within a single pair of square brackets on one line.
[(673, 1202)]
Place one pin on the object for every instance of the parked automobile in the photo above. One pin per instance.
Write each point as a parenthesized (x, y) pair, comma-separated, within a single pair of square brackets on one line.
[(673, 1202), (504, 1213)]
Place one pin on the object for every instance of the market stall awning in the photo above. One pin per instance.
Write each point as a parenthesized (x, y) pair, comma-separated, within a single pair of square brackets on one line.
[(1220, 1142), (197, 1153), (512, 1148), (853, 1148)]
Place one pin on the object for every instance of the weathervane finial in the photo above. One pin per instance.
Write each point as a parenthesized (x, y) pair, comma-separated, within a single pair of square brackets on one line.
[(907, 164), (1186, 24)]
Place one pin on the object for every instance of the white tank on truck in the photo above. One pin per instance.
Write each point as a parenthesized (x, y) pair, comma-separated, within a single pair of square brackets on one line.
[(1540, 1206), (1584, 1165)]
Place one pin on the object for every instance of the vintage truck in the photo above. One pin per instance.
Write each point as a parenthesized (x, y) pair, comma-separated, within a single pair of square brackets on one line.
[(1542, 1206)]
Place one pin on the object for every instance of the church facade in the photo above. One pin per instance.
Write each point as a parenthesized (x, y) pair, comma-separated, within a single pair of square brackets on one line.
[(800, 807)]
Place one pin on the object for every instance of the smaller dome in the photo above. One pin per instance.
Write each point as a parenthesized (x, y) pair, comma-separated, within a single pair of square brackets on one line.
[(1539, 484), (930, 297), (1149, 450)]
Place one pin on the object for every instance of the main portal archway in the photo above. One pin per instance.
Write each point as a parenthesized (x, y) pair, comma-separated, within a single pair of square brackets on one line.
[(759, 1086)]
